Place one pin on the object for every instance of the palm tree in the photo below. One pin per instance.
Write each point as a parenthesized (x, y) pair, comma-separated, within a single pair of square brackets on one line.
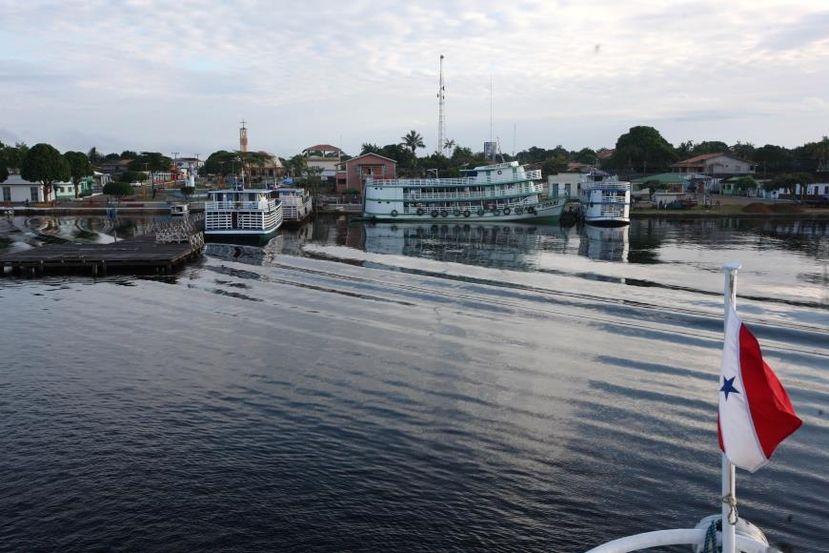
[(449, 144), (413, 141)]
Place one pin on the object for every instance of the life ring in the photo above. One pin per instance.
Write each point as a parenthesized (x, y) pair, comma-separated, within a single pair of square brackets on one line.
[(420, 211), (519, 210), (394, 213), (466, 213), (506, 211), (456, 212), (444, 213), (480, 212), (499, 171), (434, 213)]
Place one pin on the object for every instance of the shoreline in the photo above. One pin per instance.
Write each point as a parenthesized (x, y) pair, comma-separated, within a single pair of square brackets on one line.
[(680, 214)]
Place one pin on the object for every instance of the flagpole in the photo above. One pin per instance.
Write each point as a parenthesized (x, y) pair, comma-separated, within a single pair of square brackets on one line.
[(729, 487)]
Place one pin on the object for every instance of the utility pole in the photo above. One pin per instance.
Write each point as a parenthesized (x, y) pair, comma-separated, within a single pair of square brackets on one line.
[(441, 112)]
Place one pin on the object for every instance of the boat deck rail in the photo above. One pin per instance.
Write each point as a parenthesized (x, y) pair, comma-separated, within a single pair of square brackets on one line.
[(262, 205), (455, 181), (494, 193), (604, 185)]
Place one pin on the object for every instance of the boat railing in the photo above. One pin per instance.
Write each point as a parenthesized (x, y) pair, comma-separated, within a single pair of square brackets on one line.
[(519, 190), (604, 185), (262, 205), (680, 536)]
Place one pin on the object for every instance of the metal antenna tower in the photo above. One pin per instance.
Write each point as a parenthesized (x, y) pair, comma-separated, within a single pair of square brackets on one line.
[(441, 112)]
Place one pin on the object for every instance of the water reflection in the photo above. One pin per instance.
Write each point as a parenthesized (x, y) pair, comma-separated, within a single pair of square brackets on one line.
[(605, 243)]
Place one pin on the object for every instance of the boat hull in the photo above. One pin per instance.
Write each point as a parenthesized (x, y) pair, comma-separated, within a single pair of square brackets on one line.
[(546, 214), (235, 236), (607, 221)]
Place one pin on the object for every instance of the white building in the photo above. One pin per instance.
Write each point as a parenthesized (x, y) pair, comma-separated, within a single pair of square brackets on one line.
[(325, 158), (16, 189), (562, 184), (715, 165)]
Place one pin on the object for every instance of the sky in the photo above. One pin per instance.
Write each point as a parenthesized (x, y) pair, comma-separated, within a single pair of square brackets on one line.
[(180, 76)]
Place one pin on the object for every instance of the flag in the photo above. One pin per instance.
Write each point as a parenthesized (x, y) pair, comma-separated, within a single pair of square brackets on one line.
[(755, 411)]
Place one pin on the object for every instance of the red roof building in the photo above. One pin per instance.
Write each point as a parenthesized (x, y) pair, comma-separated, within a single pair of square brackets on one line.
[(354, 172)]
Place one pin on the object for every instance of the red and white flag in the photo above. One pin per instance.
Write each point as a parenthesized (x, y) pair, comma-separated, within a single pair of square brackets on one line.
[(755, 411)]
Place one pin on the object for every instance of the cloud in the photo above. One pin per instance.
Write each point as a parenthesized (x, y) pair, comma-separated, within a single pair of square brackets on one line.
[(130, 71)]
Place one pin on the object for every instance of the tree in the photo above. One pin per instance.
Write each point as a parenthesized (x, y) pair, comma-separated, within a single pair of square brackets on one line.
[(4, 173), (369, 148), (643, 149), (297, 165), (412, 140), (554, 164), (744, 150), (128, 154), (150, 161), (79, 167), (774, 159), (94, 156), (12, 156), (221, 163), (709, 147), (118, 188), (129, 176), (789, 182), (45, 165), (744, 184), (585, 155)]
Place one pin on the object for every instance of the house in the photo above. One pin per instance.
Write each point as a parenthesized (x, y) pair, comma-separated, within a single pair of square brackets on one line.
[(714, 165), (563, 184), (115, 167), (66, 190), (16, 189), (605, 153), (268, 169), (324, 158), (99, 181), (183, 166), (353, 173)]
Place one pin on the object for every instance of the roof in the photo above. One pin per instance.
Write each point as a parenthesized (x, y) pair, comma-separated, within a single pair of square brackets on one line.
[(325, 147), (369, 154), (17, 180), (605, 153), (668, 178), (690, 162)]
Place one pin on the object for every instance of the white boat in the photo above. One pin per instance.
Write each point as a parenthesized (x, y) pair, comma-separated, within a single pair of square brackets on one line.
[(242, 213), (296, 203), (605, 200), (490, 193)]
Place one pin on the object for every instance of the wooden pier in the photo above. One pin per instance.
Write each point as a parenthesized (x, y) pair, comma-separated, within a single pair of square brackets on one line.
[(163, 249)]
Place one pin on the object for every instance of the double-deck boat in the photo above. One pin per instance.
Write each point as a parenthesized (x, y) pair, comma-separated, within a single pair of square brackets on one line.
[(605, 200), (296, 203), (491, 193), (242, 213)]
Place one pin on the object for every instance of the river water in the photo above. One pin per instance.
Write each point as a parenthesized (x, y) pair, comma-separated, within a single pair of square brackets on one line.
[(413, 388)]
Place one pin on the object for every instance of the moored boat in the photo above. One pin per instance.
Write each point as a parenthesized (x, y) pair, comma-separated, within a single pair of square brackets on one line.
[(297, 203), (605, 200), (242, 214), (491, 193)]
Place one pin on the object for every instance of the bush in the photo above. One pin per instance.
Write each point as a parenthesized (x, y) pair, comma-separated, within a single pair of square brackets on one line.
[(118, 188)]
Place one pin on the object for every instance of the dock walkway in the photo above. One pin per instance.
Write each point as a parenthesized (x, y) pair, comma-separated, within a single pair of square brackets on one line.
[(162, 250)]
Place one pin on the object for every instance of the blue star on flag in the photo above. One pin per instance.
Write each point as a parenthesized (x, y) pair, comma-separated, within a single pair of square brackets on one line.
[(728, 387)]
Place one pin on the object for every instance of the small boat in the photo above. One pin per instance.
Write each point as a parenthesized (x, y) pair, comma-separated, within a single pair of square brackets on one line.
[(296, 203), (605, 200), (242, 213), (489, 193), (179, 210)]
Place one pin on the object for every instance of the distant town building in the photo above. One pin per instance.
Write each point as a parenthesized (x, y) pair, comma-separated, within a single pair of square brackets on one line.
[(114, 167), (353, 173), (324, 158), (16, 189), (183, 166), (66, 190), (564, 184), (270, 170), (715, 165), (605, 153)]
